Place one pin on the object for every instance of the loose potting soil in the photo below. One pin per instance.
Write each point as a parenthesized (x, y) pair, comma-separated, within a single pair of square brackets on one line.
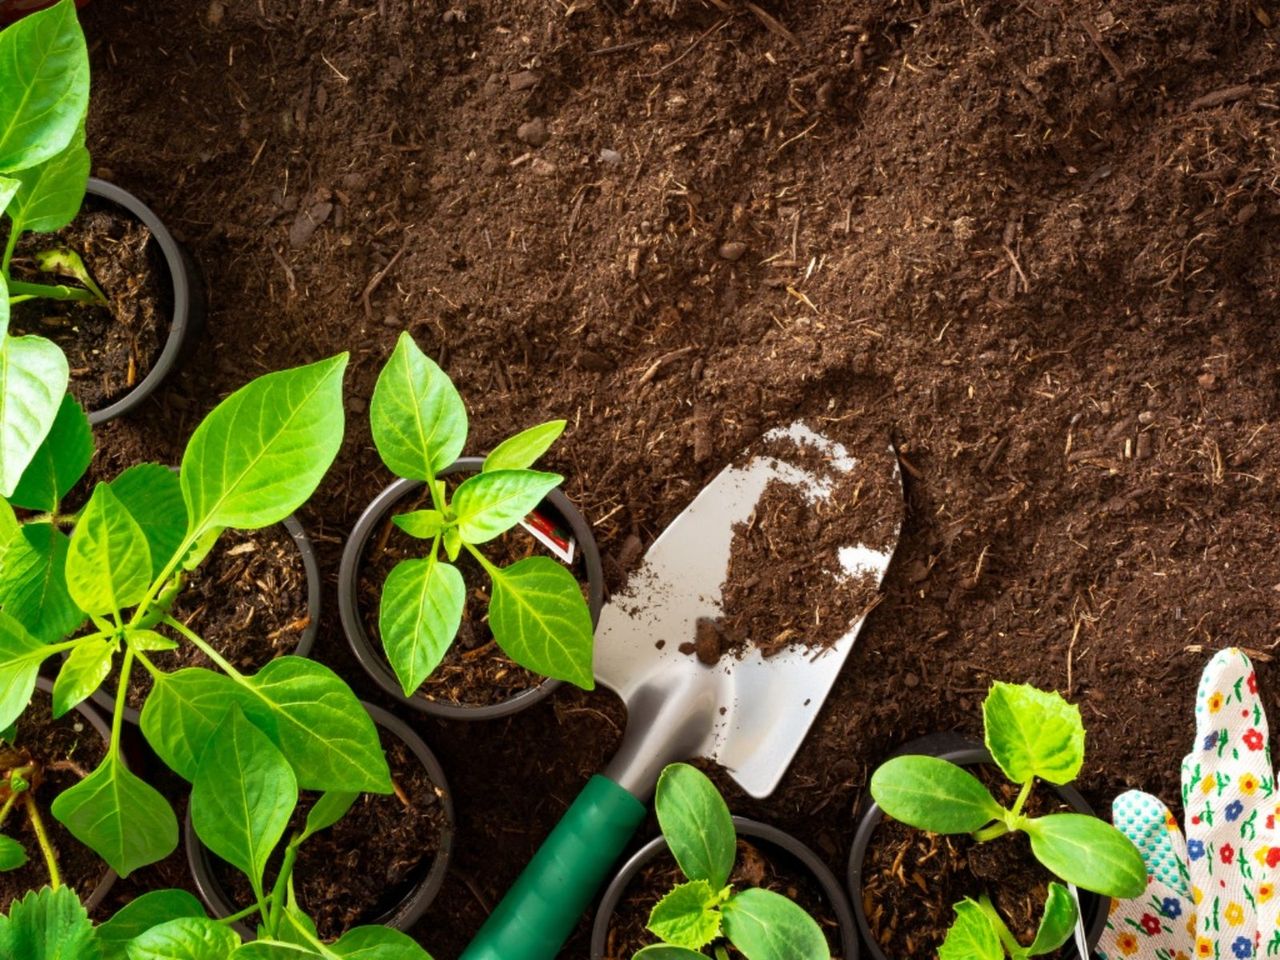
[(1035, 244)]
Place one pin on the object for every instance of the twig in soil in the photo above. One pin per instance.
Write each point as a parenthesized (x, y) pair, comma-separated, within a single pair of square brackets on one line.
[(658, 364), (603, 716), (616, 48), (379, 277), (479, 651), (1071, 652), (292, 627), (1219, 97), (470, 884), (799, 136), (400, 795), (288, 270), (1107, 53), (69, 765), (1026, 286), (908, 466), (341, 76), (716, 28), (772, 23)]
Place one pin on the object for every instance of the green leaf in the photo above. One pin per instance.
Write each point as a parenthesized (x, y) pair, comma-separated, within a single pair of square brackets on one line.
[(123, 819), (153, 496), (418, 617), (696, 823), (181, 714), (48, 925), (185, 938), (20, 657), (418, 421), (243, 795), (378, 943), (538, 616), (50, 193), (44, 86), (328, 810), (148, 640), (109, 563), (8, 190), (82, 673), (1056, 924), (1033, 733), (1088, 853), (33, 380), (932, 794), (33, 583), (59, 462), (278, 950), (141, 914), (971, 936), (490, 504), (12, 853), (665, 951), (688, 915), (452, 543), (262, 451), (765, 925), (522, 450), (423, 524)]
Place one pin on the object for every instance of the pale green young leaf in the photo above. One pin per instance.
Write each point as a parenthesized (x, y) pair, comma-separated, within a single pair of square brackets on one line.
[(696, 823), (200, 549), (141, 914), (20, 657), (423, 524), (121, 817), (12, 853), (109, 563), (33, 380), (33, 583), (523, 450), (263, 450), (418, 617), (148, 640), (933, 794), (687, 916), (1089, 853), (153, 496), (82, 673), (1033, 733), (489, 504), (65, 263), (10, 526), (418, 420), (44, 86), (541, 621), (48, 924), (50, 193), (378, 943), (243, 795), (666, 951), (452, 543), (971, 936), (764, 925), (8, 190), (328, 810), (185, 938), (59, 462), (1057, 922), (181, 714)]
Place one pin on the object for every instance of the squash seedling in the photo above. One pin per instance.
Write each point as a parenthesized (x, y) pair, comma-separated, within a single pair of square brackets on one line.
[(536, 611), (706, 911), (1031, 734)]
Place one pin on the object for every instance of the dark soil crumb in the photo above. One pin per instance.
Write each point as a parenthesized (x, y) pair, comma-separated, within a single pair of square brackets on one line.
[(72, 743), (109, 349)]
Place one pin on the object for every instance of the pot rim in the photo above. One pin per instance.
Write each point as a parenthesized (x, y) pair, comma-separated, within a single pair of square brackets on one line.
[(370, 653), (745, 827)]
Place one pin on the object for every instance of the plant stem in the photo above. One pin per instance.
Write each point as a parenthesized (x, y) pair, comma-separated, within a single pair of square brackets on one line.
[(52, 291), (122, 694), (151, 668), (208, 651), (1023, 794), (9, 247), (282, 880), (437, 500), (8, 805), (37, 824), (1007, 939), (239, 915), (997, 829), (489, 568)]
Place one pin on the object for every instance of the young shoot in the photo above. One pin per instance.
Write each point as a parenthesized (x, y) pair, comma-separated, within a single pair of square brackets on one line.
[(20, 774)]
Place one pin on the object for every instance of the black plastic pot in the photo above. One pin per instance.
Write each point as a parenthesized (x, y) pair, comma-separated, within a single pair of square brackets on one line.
[(305, 642), (369, 651), (763, 834), (966, 753), (414, 904), (189, 300)]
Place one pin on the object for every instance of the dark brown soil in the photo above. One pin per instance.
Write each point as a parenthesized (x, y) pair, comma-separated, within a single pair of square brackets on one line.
[(248, 600), (758, 865), (71, 742), (109, 349), (1035, 244), (368, 861)]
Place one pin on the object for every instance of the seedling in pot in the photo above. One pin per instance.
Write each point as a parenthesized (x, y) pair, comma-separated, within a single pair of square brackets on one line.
[(20, 774), (1031, 734), (706, 911), (536, 611)]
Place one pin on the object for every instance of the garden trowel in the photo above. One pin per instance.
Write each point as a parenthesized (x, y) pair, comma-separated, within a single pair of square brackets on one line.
[(750, 714)]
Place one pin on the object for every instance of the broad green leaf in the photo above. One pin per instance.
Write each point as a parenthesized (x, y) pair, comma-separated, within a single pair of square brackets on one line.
[(153, 496), (522, 450), (262, 451), (122, 818), (181, 713), (48, 925), (50, 193), (932, 794), (147, 640), (185, 938), (33, 583), (696, 823), (423, 524), (297, 928), (8, 190), (200, 549), (378, 943), (60, 460), (82, 673), (278, 950), (12, 853), (418, 617), (971, 937), (1056, 924), (665, 951), (328, 810), (20, 657), (490, 504), (109, 563), (764, 925), (44, 86), (33, 380), (687, 916), (10, 526), (1089, 853), (1033, 733), (538, 616), (141, 914), (243, 795), (418, 421)]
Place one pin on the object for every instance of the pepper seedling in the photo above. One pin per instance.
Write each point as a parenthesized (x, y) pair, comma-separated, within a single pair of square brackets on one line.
[(1031, 734), (706, 911), (536, 611)]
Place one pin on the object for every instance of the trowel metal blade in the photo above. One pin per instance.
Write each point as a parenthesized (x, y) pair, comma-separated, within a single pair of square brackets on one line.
[(764, 707)]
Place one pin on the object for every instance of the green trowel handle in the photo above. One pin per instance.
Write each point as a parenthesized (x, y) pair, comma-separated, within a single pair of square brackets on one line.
[(540, 911)]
